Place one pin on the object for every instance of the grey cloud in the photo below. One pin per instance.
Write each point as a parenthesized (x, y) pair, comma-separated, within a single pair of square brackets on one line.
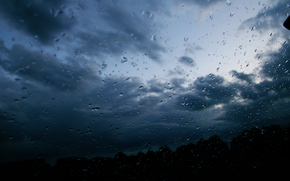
[(35, 18), (187, 61), (177, 83), (47, 69), (200, 3), (206, 92), (62, 121), (57, 124), (242, 76), (271, 18), (126, 31), (265, 102)]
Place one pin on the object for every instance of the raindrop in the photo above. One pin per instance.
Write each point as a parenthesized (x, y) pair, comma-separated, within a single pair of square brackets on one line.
[(57, 12), (127, 79), (153, 38), (253, 28), (141, 87), (210, 15), (229, 2), (121, 94), (124, 59), (231, 14), (95, 108), (186, 39), (187, 138), (103, 65), (56, 39), (11, 137)]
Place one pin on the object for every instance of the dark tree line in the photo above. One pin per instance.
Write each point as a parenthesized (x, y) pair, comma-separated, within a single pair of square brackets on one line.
[(255, 154)]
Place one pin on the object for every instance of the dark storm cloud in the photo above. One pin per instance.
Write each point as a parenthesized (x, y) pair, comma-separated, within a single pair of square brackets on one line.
[(266, 102), (206, 92), (187, 61), (113, 30), (37, 18), (127, 30), (99, 120), (39, 117), (242, 76), (47, 69), (177, 83), (58, 106), (271, 18)]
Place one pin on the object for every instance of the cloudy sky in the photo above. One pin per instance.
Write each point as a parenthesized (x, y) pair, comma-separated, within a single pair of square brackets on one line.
[(94, 77)]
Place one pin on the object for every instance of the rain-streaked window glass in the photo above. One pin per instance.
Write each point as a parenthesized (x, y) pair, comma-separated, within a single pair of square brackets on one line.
[(137, 88)]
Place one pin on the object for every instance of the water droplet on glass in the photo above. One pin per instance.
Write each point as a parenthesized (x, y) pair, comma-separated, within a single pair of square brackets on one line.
[(253, 28), (127, 79), (186, 39), (210, 15), (103, 65), (153, 38), (95, 108), (11, 137), (124, 59), (229, 2), (231, 14), (121, 94), (56, 39)]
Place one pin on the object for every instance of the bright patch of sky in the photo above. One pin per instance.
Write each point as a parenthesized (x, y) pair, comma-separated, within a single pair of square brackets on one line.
[(212, 37)]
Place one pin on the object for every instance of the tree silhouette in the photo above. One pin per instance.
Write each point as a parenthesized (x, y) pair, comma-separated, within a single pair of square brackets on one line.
[(253, 154)]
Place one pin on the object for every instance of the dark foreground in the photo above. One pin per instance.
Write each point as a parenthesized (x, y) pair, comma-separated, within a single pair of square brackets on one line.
[(256, 154)]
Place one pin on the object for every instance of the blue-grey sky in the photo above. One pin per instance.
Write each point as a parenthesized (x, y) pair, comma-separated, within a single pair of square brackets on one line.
[(92, 78)]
